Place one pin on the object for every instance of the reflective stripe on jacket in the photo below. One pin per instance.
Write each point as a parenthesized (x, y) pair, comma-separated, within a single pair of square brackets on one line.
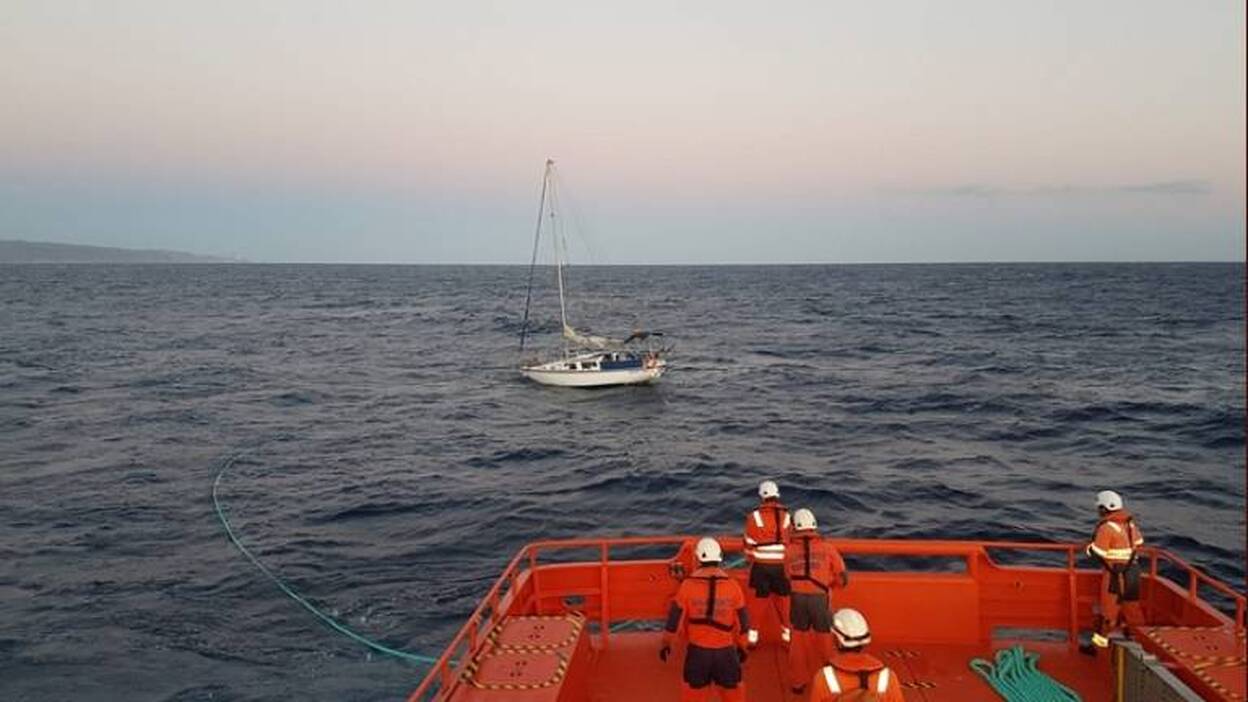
[(1116, 539), (766, 532), (855, 671)]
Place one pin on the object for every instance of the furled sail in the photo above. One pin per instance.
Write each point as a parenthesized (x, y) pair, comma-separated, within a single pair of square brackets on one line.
[(588, 340)]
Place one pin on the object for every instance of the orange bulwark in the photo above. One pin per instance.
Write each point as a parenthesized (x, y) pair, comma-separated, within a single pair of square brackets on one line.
[(590, 629)]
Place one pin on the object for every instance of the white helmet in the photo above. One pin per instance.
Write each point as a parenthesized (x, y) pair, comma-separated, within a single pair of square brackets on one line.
[(1109, 500), (708, 551), (768, 490), (851, 628), (804, 519)]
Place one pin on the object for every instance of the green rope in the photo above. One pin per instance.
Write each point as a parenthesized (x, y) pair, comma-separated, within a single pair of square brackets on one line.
[(290, 592), (1016, 678)]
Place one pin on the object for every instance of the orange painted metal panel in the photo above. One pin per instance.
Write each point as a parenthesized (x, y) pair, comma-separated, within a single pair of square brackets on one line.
[(916, 607)]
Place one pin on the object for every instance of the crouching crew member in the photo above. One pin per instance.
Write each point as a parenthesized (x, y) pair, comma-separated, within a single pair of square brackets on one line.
[(766, 533), (709, 613), (1115, 544), (814, 568), (853, 674)]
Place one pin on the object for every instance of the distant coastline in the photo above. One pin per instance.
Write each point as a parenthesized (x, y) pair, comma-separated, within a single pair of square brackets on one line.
[(17, 251)]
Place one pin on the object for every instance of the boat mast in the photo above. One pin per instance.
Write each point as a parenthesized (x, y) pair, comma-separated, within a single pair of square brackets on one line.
[(561, 252), (537, 236)]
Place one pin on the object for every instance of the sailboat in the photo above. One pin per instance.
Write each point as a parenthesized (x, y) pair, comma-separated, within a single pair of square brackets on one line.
[(587, 360)]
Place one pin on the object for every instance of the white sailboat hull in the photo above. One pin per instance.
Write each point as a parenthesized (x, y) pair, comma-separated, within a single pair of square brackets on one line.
[(552, 374)]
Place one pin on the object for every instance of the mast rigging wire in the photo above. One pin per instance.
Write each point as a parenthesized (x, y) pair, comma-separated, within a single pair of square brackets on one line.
[(537, 236)]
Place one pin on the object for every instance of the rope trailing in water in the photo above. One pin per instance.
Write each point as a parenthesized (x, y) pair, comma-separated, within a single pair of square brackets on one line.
[(294, 595), (1016, 678)]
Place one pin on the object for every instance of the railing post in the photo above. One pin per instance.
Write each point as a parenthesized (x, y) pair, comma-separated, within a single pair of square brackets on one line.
[(537, 592), (604, 611), (446, 674), (1192, 582), (975, 558), (1072, 634)]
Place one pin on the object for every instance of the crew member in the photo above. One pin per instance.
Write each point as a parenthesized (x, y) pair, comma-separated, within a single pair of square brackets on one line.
[(814, 568), (853, 673), (766, 533), (1115, 544), (709, 613)]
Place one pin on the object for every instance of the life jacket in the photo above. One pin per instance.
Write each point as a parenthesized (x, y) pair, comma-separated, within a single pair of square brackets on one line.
[(712, 603), (1117, 539), (707, 617), (767, 531), (803, 573), (856, 676)]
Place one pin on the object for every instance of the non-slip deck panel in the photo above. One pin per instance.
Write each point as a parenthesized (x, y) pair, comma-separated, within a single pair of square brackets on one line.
[(1210, 659), (529, 659)]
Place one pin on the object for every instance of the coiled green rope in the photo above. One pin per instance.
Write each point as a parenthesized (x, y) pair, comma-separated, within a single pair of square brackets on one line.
[(292, 594), (1016, 678)]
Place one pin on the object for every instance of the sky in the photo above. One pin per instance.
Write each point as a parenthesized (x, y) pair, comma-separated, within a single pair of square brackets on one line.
[(689, 132)]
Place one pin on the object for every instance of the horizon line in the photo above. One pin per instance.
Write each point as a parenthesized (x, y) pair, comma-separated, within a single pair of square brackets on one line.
[(729, 264)]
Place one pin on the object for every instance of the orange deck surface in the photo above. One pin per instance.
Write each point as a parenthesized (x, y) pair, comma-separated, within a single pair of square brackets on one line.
[(630, 670), (1211, 660)]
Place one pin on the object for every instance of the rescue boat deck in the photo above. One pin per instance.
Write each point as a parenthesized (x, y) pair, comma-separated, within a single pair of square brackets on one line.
[(562, 622)]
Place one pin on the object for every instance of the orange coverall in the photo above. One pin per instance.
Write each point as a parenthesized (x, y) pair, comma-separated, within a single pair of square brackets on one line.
[(766, 533), (814, 568), (1115, 544)]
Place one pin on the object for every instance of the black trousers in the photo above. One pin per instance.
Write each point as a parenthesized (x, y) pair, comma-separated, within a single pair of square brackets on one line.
[(704, 666), (769, 579)]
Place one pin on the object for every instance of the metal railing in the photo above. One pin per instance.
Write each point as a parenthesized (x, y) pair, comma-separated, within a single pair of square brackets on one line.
[(1196, 578), (488, 613)]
